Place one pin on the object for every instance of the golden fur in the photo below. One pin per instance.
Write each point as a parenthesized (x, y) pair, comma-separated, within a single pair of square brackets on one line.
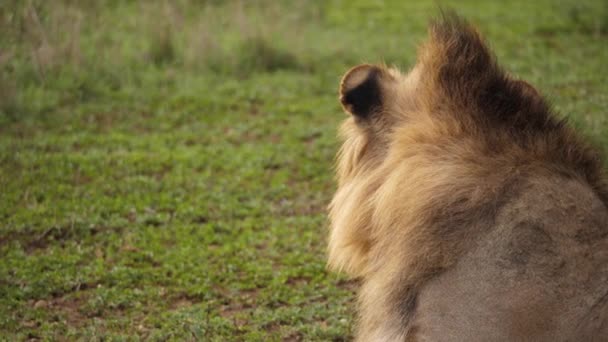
[(429, 159)]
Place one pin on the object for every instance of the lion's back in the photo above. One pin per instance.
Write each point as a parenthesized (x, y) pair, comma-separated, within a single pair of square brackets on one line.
[(539, 274)]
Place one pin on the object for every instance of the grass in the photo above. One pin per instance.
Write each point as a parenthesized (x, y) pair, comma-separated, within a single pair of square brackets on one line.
[(165, 166)]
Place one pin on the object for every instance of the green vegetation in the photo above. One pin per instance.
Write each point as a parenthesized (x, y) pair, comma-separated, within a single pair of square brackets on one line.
[(165, 166)]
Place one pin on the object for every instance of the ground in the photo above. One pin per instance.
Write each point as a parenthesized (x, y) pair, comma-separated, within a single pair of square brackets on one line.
[(165, 166)]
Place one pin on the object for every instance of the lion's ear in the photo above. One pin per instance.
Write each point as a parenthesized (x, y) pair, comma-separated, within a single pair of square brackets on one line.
[(361, 90)]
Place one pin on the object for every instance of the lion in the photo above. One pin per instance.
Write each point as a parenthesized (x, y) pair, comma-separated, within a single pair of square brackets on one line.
[(468, 210)]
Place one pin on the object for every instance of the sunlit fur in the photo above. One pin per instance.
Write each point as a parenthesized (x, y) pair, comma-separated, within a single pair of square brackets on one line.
[(430, 167)]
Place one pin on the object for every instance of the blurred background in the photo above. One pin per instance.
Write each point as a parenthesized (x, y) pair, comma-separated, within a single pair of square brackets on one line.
[(165, 165)]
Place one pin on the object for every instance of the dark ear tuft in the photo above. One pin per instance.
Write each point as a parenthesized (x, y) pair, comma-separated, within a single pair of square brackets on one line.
[(360, 90)]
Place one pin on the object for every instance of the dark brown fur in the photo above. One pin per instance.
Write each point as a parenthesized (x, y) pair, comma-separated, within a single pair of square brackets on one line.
[(430, 160), (465, 81)]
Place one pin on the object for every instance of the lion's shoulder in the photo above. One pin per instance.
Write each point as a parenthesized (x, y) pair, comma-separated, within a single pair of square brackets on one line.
[(540, 271)]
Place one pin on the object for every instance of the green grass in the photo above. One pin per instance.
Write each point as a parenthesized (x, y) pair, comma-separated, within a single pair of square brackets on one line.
[(165, 166)]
